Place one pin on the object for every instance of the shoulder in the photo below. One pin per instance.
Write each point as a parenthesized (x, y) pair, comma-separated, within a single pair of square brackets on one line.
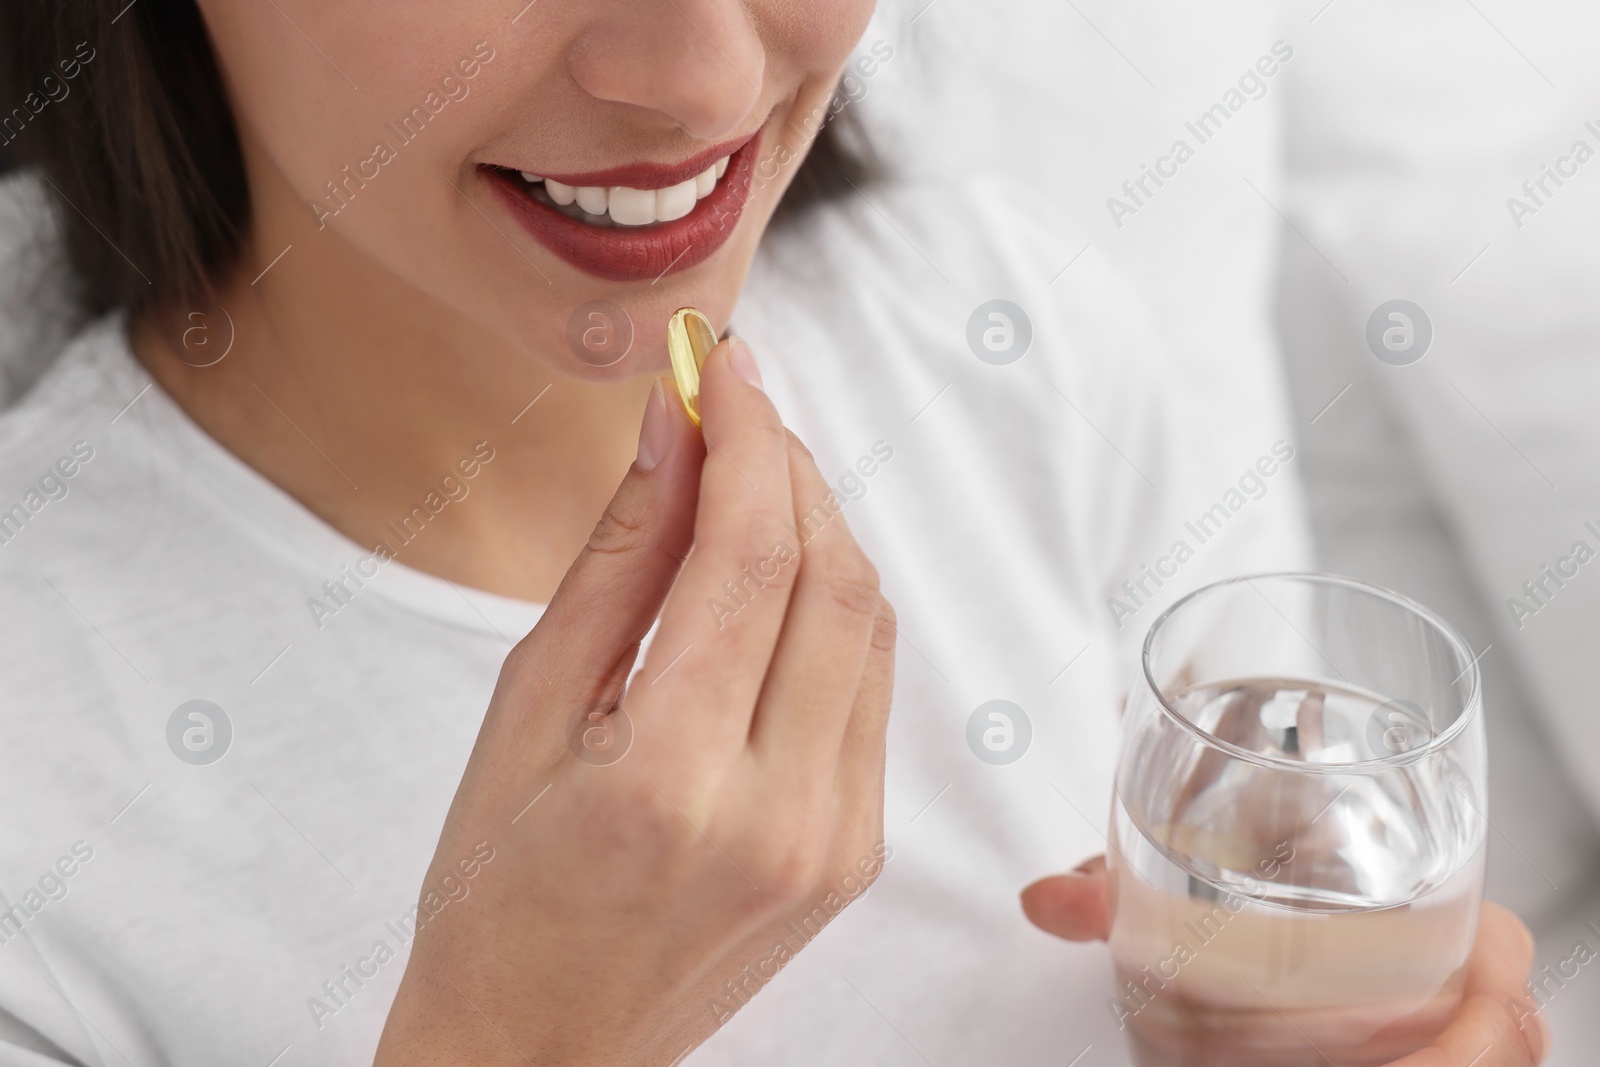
[(83, 389), (72, 478), (54, 442), (39, 312)]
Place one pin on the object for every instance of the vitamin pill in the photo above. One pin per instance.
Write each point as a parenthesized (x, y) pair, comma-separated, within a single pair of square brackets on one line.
[(690, 339)]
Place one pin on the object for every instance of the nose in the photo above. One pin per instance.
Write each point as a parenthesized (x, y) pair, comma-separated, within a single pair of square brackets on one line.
[(699, 63)]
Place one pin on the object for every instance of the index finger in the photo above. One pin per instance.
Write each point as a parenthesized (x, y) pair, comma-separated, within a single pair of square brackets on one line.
[(721, 621)]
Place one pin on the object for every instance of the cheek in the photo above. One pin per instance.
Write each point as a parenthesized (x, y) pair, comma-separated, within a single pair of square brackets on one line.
[(317, 87), (813, 35), (370, 176), (311, 139)]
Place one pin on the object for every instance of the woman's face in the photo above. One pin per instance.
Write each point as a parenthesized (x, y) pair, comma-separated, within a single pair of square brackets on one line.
[(664, 132)]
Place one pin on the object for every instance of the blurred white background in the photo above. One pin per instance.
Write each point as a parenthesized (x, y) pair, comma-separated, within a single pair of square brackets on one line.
[(1375, 163)]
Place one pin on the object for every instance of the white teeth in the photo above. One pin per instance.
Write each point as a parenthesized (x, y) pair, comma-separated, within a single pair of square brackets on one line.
[(561, 194), (632, 207), (635, 207), (675, 201), (704, 182)]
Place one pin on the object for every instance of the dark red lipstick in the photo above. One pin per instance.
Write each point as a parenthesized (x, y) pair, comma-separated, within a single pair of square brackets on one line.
[(636, 253)]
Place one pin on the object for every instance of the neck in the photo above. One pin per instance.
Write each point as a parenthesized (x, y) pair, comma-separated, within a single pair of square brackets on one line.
[(360, 395)]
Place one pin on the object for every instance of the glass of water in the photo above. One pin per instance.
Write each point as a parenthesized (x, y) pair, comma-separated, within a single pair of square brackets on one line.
[(1297, 838)]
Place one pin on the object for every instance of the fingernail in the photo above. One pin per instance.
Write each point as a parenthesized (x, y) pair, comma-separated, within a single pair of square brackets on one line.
[(655, 433), (743, 361)]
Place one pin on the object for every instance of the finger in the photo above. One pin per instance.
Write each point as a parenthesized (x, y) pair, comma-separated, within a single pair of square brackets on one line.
[(822, 648), (611, 594), (1502, 957), (721, 621), (1485, 1033), (1073, 906), (859, 779), (1499, 1024), (1502, 953)]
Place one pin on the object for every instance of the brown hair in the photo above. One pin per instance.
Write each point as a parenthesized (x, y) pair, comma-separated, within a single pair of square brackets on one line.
[(121, 108)]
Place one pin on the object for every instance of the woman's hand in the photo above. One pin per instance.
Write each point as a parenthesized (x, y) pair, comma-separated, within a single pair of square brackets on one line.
[(1498, 1025), (637, 893)]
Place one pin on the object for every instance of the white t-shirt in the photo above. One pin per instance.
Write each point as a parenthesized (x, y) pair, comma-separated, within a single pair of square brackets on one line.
[(169, 911)]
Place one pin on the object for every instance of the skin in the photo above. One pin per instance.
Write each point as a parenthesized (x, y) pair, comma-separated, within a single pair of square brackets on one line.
[(368, 350), (1499, 1024), (632, 893), (420, 319)]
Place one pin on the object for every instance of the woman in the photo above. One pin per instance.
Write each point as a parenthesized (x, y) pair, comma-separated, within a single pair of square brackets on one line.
[(386, 292)]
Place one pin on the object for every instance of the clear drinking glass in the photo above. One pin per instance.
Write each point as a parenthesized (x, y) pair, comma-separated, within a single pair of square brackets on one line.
[(1297, 837)]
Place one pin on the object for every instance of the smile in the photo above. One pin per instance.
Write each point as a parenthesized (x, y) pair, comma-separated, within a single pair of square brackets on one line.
[(637, 222)]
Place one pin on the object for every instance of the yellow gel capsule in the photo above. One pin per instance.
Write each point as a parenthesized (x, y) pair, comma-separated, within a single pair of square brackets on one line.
[(690, 339)]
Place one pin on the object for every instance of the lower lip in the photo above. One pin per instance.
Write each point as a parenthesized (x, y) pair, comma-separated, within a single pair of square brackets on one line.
[(644, 253)]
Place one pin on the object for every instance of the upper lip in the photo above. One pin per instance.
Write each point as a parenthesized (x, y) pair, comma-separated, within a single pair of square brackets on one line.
[(647, 175)]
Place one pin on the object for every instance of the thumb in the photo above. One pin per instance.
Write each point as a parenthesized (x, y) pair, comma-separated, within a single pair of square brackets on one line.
[(1073, 906), (608, 600)]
